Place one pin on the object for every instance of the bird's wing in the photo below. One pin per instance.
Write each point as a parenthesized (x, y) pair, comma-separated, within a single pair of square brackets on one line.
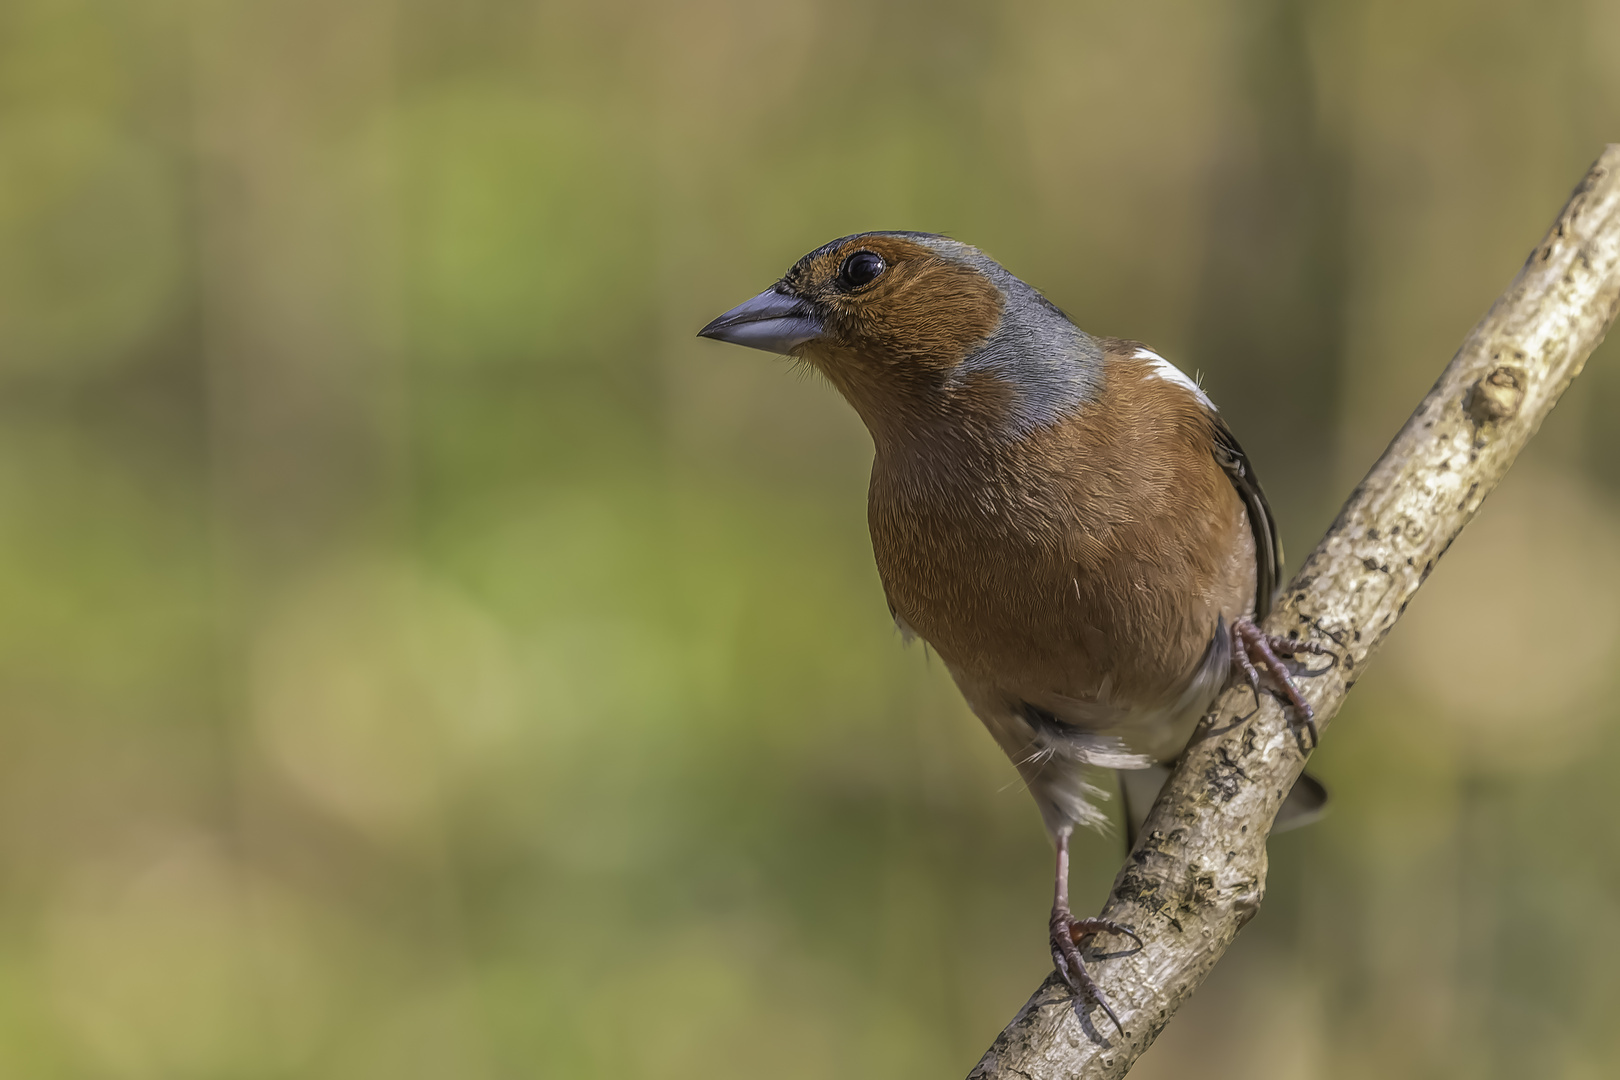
[(1268, 554)]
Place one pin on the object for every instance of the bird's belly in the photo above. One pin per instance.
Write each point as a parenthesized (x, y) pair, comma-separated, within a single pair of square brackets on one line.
[(1031, 627), (992, 624)]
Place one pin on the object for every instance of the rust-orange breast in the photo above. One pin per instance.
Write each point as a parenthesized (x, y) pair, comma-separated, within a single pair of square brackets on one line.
[(1090, 559)]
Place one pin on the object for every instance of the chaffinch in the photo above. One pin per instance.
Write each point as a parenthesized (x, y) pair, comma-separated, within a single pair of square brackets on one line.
[(1066, 519)]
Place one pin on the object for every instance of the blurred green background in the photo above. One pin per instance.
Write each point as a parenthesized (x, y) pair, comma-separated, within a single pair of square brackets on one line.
[(422, 657)]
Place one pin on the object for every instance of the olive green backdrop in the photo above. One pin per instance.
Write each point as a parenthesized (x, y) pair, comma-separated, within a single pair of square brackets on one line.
[(420, 657)]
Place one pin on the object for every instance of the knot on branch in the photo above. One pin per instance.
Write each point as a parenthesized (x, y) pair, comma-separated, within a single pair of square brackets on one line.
[(1497, 396)]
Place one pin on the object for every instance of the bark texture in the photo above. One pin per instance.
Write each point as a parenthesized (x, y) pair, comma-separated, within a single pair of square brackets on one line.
[(1198, 871)]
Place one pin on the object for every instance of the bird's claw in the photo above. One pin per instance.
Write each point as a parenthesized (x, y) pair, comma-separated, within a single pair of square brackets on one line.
[(1080, 929), (1067, 934), (1252, 646)]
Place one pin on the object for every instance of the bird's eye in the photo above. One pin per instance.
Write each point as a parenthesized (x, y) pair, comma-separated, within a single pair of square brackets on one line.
[(861, 268)]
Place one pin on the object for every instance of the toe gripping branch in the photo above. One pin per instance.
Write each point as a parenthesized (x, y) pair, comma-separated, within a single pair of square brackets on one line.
[(1067, 934), (1252, 646)]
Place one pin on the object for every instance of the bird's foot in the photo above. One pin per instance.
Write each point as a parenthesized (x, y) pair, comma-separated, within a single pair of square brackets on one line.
[(1067, 934), (1252, 645)]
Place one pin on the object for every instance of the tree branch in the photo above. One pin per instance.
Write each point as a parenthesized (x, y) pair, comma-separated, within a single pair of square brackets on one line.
[(1198, 871)]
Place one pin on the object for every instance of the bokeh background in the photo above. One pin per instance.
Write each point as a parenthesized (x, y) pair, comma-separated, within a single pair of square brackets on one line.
[(421, 657)]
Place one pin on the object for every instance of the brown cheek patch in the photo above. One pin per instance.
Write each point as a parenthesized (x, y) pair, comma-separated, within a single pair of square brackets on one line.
[(937, 311), (926, 310)]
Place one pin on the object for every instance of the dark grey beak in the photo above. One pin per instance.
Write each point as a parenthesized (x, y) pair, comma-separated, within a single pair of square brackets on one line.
[(772, 321)]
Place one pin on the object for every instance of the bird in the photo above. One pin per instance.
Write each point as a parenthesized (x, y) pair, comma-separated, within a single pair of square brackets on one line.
[(1065, 519)]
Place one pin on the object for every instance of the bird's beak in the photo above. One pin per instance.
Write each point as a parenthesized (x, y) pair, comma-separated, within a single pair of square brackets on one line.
[(772, 321)]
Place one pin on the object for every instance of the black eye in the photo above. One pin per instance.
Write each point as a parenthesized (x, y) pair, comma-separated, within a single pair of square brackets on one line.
[(861, 268)]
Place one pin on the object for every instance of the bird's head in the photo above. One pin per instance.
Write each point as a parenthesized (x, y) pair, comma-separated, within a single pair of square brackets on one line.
[(919, 331)]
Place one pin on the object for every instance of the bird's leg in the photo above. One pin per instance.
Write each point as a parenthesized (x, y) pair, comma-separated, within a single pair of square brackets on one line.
[(1252, 645), (1068, 932)]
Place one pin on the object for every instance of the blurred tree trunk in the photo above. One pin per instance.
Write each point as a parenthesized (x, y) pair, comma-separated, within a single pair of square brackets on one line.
[(1270, 306)]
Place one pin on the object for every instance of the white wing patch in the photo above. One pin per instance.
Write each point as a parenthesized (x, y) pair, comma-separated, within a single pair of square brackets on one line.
[(1164, 369)]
